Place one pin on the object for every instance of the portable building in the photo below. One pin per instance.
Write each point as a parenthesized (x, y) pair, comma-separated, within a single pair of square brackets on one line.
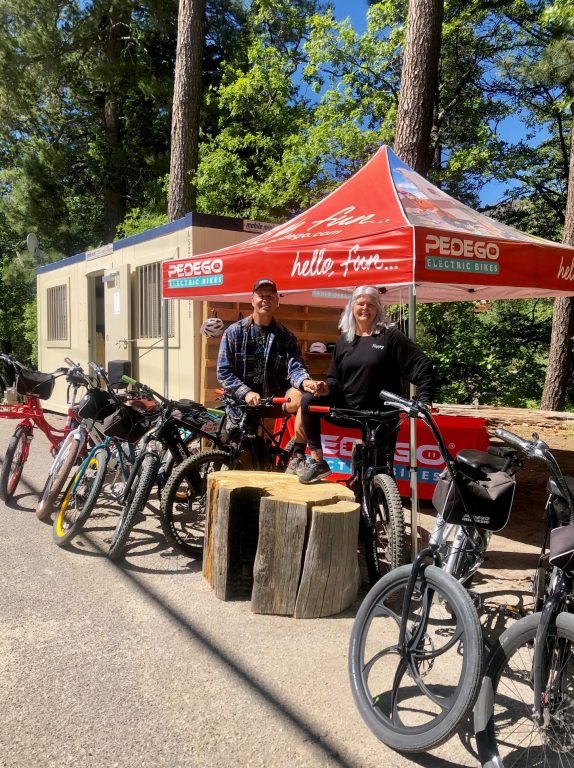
[(106, 304)]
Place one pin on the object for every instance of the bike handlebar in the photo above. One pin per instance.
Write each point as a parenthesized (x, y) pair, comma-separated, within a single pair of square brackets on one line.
[(526, 446), (413, 408), (265, 401)]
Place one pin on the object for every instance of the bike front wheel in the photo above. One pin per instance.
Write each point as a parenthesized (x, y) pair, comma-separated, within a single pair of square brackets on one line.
[(80, 498), (59, 472), (414, 698), (140, 490), (506, 734), (14, 460), (385, 544), (183, 500)]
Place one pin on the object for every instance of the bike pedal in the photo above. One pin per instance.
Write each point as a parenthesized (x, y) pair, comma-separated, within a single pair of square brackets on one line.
[(476, 599), (512, 612)]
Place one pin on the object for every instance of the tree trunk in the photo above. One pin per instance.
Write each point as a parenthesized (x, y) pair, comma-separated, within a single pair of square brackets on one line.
[(115, 29), (186, 108), (560, 355), (418, 84), (292, 547)]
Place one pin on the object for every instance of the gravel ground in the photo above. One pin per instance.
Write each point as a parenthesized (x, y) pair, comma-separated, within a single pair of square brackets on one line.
[(110, 666)]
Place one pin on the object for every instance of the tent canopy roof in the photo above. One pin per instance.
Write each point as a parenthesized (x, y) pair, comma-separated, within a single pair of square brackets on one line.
[(386, 226)]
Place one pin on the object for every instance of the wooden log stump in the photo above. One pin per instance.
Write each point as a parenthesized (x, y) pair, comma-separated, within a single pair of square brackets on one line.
[(293, 547)]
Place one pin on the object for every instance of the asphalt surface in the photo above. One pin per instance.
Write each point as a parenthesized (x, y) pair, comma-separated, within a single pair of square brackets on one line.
[(139, 664)]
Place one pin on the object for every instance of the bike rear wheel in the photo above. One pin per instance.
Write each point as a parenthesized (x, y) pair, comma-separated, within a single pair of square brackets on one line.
[(14, 460), (506, 734), (80, 498), (59, 472), (140, 490), (415, 699), (385, 545), (183, 500)]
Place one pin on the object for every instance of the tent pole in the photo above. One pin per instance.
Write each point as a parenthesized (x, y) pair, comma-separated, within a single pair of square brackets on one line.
[(165, 334), (413, 433)]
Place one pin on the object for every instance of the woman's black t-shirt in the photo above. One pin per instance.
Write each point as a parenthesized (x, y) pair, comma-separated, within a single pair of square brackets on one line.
[(359, 370)]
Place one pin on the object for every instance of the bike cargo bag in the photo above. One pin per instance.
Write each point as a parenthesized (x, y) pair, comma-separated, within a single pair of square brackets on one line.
[(96, 404), (561, 553), (484, 503), (126, 424), (35, 383)]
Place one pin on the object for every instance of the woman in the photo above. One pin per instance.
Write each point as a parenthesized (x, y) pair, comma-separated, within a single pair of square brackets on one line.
[(369, 356)]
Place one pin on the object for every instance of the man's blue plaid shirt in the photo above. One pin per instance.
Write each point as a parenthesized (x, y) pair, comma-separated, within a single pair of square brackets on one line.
[(276, 368)]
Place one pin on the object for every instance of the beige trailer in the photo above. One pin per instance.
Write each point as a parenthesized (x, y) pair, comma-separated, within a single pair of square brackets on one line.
[(106, 305)]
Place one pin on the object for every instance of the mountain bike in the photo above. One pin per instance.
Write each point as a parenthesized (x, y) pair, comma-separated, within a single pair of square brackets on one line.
[(251, 445), (524, 715), (166, 445), (33, 386), (415, 657)]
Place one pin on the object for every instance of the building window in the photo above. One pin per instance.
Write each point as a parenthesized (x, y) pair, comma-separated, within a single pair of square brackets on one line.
[(57, 303), (149, 304)]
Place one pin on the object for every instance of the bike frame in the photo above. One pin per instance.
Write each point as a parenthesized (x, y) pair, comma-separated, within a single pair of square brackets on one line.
[(367, 455), (106, 445), (252, 427)]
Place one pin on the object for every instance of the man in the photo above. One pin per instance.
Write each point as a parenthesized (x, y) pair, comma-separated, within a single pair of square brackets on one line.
[(259, 357)]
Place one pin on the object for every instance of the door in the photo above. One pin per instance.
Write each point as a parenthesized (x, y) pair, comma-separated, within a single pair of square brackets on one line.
[(117, 301)]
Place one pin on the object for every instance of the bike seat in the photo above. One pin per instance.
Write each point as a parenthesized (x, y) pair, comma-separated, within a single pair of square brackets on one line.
[(553, 488), (481, 461)]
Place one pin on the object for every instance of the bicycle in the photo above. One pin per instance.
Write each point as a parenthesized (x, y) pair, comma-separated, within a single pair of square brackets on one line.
[(73, 445), (382, 526), (252, 445), (83, 490), (524, 715), (431, 621), (165, 444), (34, 387)]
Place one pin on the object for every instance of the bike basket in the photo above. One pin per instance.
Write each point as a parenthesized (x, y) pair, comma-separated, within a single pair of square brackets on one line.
[(561, 552), (96, 404), (126, 424), (485, 503), (35, 383)]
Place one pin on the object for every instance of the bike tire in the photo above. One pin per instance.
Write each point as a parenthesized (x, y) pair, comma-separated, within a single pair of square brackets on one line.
[(441, 676), (182, 511), (140, 491), (59, 472), (13, 463), (385, 545), (80, 498), (506, 735)]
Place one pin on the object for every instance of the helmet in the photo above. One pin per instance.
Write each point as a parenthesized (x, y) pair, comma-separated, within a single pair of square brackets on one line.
[(212, 327), (318, 347)]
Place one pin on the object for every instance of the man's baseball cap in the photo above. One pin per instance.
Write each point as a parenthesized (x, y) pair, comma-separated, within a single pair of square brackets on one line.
[(317, 347), (267, 282)]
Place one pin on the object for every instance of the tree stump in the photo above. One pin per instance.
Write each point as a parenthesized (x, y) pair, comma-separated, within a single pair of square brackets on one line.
[(292, 547)]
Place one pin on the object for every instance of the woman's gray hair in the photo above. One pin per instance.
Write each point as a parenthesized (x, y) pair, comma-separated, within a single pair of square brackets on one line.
[(347, 324)]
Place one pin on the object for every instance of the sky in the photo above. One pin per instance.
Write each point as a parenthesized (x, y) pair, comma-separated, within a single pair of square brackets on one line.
[(355, 9)]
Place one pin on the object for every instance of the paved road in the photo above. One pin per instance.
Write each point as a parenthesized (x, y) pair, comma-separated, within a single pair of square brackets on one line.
[(109, 666)]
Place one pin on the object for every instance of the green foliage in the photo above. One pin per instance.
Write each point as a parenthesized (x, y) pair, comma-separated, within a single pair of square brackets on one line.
[(17, 288), (491, 354)]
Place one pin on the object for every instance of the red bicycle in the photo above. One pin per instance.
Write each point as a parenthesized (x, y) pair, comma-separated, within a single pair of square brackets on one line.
[(34, 387)]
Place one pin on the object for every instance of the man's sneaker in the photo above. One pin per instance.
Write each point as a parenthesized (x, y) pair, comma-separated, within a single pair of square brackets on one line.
[(314, 470), (296, 464)]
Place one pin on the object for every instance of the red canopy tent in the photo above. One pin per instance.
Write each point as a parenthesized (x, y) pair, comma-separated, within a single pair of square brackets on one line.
[(384, 226)]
